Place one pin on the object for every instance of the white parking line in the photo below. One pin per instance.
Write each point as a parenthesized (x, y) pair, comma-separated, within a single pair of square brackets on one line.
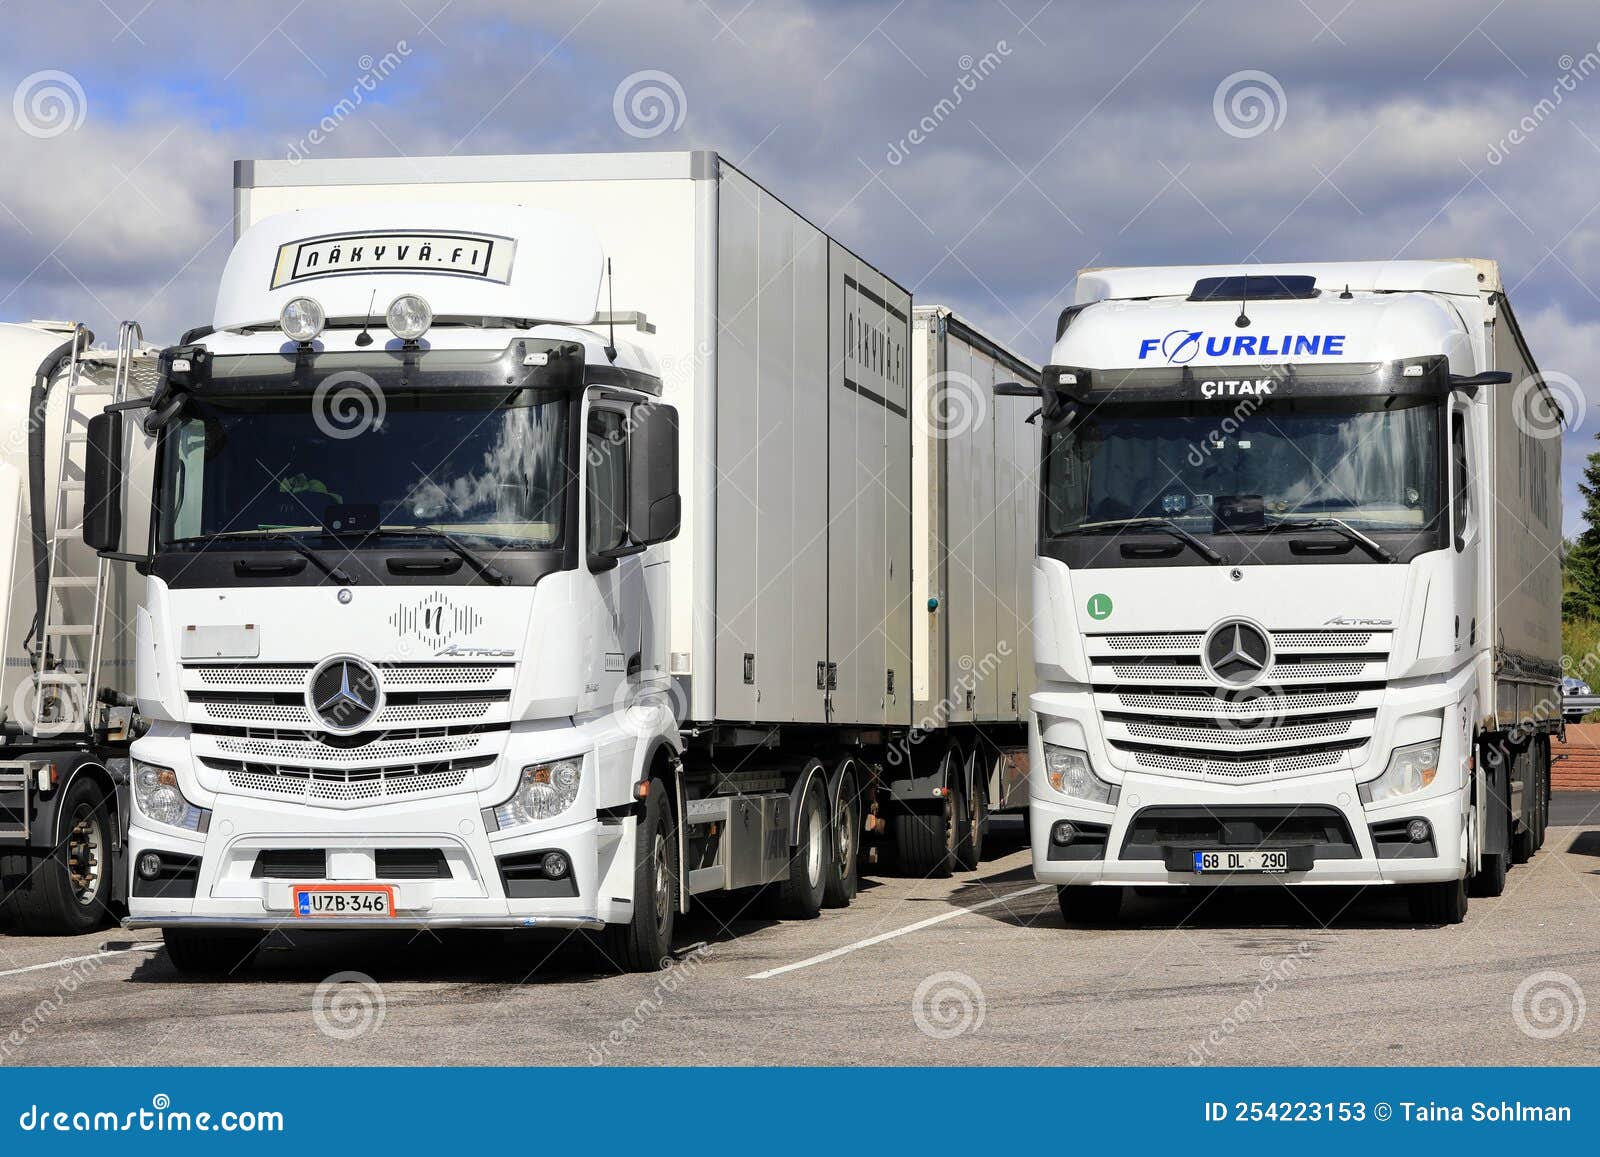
[(151, 947), (882, 936)]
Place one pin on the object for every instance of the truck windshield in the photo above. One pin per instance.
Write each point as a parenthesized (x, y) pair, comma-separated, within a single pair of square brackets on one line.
[(488, 466), (1245, 464)]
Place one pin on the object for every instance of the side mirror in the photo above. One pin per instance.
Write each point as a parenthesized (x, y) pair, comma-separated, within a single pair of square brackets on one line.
[(1017, 390), (654, 508), (102, 486)]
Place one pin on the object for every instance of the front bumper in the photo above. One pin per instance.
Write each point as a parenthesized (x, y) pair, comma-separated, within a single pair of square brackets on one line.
[(224, 885), (1333, 795)]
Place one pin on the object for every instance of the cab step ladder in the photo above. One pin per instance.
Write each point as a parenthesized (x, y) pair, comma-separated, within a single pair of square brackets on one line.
[(72, 626)]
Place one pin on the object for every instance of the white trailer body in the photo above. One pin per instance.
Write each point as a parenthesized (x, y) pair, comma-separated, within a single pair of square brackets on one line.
[(1298, 590), (731, 703)]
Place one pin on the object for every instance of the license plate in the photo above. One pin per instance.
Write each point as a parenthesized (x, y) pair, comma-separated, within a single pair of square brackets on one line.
[(314, 900), (1241, 861)]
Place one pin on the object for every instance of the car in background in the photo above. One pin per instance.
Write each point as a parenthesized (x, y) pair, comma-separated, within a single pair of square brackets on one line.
[(1577, 699)]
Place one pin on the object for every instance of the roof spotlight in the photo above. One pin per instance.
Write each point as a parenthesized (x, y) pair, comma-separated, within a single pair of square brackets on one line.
[(302, 319), (408, 316)]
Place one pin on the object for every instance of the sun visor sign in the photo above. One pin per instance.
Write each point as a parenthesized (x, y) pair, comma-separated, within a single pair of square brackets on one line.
[(482, 256)]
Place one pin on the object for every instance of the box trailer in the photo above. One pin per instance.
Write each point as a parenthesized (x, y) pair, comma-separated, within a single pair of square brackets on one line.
[(718, 685), (1299, 584)]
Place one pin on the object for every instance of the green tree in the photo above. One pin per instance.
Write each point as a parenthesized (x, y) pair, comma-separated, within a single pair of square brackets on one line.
[(1581, 558)]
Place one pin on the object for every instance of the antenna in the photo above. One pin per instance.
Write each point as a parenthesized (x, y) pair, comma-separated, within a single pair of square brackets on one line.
[(1243, 320), (611, 313), (364, 338)]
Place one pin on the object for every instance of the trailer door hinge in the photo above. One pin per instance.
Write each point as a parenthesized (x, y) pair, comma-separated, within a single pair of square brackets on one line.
[(889, 682), (749, 666), (833, 676)]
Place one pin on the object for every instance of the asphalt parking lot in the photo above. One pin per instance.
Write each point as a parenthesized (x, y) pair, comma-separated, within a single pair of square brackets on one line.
[(977, 969)]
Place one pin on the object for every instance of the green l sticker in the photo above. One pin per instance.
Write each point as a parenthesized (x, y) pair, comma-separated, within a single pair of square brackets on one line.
[(1099, 606)]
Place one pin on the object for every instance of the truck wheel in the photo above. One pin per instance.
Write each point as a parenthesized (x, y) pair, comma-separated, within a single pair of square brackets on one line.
[(974, 817), (843, 876), (219, 954), (1490, 878), (925, 842), (645, 941), (1087, 907), (70, 890), (1523, 843), (800, 896), (1444, 903)]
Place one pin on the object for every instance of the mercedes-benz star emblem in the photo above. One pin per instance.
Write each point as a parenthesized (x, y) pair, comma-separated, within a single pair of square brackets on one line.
[(1237, 652), (343, 693)]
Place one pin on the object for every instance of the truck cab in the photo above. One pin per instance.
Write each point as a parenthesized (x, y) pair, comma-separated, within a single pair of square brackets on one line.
[(1297, 590), (397, 647)]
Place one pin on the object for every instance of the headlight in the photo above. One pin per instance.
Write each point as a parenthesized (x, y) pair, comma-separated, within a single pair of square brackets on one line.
[(545, 790), (408, 316), (302, 319), (1410, 769), (1069, 772), (156, 792)]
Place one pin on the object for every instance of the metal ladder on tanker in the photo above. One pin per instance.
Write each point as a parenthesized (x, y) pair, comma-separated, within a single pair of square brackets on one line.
[(66, 696)]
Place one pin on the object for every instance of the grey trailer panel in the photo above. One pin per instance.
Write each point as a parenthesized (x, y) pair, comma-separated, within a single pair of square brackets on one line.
[(771, 509), (869, 517), (1524, 607)]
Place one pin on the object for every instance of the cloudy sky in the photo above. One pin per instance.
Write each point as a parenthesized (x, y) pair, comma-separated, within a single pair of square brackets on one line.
[(980, 152)]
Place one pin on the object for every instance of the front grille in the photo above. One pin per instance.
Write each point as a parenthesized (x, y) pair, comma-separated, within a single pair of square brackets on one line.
[(1313, 709), (1254, 765), (411, 864), (370, 784), (1155, 829), (415, 694), (290, 864)]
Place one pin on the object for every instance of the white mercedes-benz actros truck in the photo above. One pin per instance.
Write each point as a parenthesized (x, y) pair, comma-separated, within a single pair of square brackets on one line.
[(1297, 595), (469, 601)]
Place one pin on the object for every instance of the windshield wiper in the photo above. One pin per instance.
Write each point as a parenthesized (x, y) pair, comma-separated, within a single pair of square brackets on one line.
[(1165, 525), (472, 558), (1337, 525), (332, 570)]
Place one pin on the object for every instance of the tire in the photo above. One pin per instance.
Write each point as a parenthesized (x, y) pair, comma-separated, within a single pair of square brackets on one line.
[(645, 942), (973, 816), (842, 879), (216, 954), (1490, 878), (1088, 907), (925, 842), (1444, 903), (800, 896), (70, 890), (1524, 841)]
